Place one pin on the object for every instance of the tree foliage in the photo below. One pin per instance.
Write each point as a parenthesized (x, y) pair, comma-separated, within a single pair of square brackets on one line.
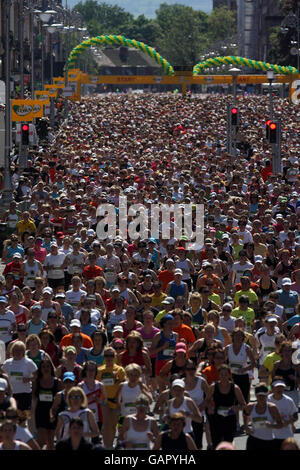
[(178, 32)]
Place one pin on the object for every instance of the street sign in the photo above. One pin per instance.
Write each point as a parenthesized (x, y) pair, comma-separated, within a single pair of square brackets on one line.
[(67, 91)]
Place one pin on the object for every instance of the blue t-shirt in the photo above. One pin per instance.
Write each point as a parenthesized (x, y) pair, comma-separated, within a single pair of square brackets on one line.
[(67, 311), (81, 357)]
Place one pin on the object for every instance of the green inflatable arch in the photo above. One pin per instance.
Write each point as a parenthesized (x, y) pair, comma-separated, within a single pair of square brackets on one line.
[(120, 41), (241, 61)]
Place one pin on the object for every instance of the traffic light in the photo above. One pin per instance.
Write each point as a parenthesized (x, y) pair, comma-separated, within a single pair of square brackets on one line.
[(25, 134), (268, 129), (273, 132), (234, 116)]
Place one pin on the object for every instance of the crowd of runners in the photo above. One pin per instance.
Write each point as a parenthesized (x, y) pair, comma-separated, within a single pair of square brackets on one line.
[(144, 342)]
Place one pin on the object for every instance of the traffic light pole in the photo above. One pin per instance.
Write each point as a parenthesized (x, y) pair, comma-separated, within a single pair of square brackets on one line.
[(229, 132), (276, 152)]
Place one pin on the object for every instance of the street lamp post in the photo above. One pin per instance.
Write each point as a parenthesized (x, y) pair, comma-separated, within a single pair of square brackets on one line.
[(270, 75), (7, 182), (45, 17), (51, 30), (276, 153), (234, 73)]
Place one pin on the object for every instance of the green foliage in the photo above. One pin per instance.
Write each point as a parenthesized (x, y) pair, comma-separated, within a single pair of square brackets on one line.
[(179, 33)]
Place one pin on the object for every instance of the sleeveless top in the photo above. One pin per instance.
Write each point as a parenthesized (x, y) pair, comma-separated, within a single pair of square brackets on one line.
[(197, 318), (176, 290), (139, 439), (37, 359), (168, 353), (92, 395), (188, 421), (136, 359), (99, 358), (70, 226), (264, 292), (239, 360), (178, 444), (128, 397), (66, 417), (220, 337), (46, 396), (147, 337), (197, 393), (175, 369), (224, 402), (260, 431), (290, 384), (20, 316)]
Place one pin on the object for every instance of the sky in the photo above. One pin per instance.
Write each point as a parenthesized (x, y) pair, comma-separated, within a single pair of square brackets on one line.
[(148, 7)]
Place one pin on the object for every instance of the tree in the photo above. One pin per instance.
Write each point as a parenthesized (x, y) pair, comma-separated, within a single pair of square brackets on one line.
[(222, 24), (101, 18), (182, 33)]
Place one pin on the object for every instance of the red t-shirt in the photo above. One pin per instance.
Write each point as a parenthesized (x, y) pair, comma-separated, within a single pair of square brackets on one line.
[(90, 272)]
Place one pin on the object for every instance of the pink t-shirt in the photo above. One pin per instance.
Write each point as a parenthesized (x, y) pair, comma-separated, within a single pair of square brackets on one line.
[(40, 255), (147, 337)]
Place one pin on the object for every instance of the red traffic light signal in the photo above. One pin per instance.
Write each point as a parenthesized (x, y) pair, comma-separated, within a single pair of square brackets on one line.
[(273, 133), (234, 116), (25, 134)]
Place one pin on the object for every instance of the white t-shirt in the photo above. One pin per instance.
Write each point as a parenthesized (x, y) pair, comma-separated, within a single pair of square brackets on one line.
[(17, 370), (286, 408), (23, 434), (229, 324), (239, 269), (56, 261), (73, 297), (6, 322), (245, 236)]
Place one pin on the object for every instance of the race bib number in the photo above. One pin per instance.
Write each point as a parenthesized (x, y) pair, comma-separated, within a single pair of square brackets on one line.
[(16, 376), (259, 423), (46, 396), (168, 352), (108, 379)]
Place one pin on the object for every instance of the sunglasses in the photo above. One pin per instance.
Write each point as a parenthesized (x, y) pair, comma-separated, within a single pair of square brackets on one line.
[(52, 316), (76, 397), (117, 348), (226, 310), (108, 355)]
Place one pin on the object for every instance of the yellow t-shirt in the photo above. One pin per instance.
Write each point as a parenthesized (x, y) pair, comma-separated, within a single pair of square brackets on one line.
[(248, 315), (111, 377), (249, 293), (157, 299), (22, 226), (215, 298)]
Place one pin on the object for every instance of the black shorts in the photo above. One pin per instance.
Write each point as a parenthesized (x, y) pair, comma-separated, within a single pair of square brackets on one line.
[(23, 401), (55, 283), (259, 444)]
